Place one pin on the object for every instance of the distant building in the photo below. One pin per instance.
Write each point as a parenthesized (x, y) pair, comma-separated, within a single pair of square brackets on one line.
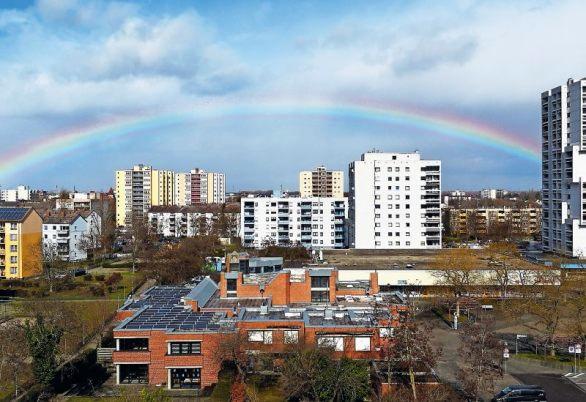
[(492, 193), (20, 243), (321, 183), (200, 187), (500, 222), (456, 196), (20, 193), (195, 220), (394, 202), (84, 201), (71, 236), (311, 222), (563, 135), (138, 189)]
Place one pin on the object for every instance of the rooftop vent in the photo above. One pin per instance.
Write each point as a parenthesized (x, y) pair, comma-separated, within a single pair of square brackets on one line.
[(328, 314), (264, 309)]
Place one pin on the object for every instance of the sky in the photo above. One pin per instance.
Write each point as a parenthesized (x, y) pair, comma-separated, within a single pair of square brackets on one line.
[(75, 63)]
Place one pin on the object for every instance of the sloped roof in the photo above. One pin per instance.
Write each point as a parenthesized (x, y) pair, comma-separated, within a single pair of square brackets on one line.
[(14, 214), (203, 292)]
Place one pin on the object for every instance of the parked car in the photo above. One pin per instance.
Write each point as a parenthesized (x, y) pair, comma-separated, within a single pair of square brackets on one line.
[(518, 393)]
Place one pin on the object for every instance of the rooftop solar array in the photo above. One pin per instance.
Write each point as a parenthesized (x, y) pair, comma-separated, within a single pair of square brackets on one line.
[(13, 214), (160, 296), (163, 309), (175, 318)]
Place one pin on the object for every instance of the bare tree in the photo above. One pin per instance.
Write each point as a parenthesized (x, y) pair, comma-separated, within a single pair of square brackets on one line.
[(457, 269), (481, 357), (546, 301), (13, 362), (410, 350), (51, 262)]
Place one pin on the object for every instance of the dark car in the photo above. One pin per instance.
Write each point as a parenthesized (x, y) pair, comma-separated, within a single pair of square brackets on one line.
[(514, 393)]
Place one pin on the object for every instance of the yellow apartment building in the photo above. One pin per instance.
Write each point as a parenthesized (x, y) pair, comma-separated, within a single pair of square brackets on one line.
[(20, 243)]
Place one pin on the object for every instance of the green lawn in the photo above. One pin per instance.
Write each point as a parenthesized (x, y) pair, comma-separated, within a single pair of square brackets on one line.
[(564, 359)]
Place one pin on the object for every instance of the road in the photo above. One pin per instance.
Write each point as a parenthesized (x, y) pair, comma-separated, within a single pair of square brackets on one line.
[(557, 388)]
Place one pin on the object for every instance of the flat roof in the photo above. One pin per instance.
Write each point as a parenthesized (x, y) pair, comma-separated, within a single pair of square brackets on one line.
[(163, 308)]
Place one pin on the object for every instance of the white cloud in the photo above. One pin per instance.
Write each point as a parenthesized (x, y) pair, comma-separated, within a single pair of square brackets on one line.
[(479, 53), (141, 62)]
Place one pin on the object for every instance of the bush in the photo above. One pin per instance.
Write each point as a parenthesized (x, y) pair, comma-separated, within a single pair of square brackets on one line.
[(100, 278), (97, 290), (114, 279), (88, 277)]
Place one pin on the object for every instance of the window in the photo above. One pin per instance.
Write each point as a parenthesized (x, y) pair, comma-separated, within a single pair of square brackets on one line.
[(13, 259), (320, 296), (265, 337), (185, 348), (185, 378), (362, 343), (14, 226), (13, 270), (334, 342), (13, 248), (291, 336), (13, 237), (133, 343), (320, 281)]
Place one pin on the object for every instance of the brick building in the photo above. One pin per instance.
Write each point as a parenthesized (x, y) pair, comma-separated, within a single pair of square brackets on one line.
[(169, 335)]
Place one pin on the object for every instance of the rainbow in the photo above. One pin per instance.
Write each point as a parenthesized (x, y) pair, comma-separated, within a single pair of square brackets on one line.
[(449, 126)]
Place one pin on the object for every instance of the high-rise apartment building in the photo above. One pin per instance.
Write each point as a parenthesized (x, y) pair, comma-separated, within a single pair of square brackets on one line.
[(311, 222), (321, 183), (162, 187), (203, 187), (394, 202), (182, 189), (563, 133), (140, 188)]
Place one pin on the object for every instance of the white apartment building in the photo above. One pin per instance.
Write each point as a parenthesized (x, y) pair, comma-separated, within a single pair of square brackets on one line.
[(199, 187), (492, 193), (190, 221), (71, 236), (321, 183), (563, 133), (394, 202), (20, 193), (312, 222)]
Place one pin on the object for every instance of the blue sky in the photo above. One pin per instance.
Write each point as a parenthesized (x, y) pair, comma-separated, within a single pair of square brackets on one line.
[(71, 62)]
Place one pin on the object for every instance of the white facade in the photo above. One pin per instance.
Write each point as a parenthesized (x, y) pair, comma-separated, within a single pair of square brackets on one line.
[(20, 193), (312, 222), (190, 224), (71, 237), (394, 202), (492, 193), (563, 117)]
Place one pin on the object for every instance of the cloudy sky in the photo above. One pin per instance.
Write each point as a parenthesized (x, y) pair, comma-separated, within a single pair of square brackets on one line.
[(71, 63)]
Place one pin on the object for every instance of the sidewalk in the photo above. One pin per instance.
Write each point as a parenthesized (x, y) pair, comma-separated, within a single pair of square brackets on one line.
[(447, 365)]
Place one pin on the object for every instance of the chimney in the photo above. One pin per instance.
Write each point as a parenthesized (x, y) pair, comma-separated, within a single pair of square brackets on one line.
[(264, 309), (328, 314)]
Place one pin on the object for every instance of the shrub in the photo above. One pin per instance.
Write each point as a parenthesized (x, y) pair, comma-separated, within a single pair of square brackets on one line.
[(114, 279), (88, 277), (97, 290), (100, 278)]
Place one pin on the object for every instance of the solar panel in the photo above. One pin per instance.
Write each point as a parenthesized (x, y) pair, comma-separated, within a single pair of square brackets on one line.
[(13, 214)]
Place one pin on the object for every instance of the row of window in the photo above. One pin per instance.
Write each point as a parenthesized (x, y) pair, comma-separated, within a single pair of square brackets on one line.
[(390, 169)]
